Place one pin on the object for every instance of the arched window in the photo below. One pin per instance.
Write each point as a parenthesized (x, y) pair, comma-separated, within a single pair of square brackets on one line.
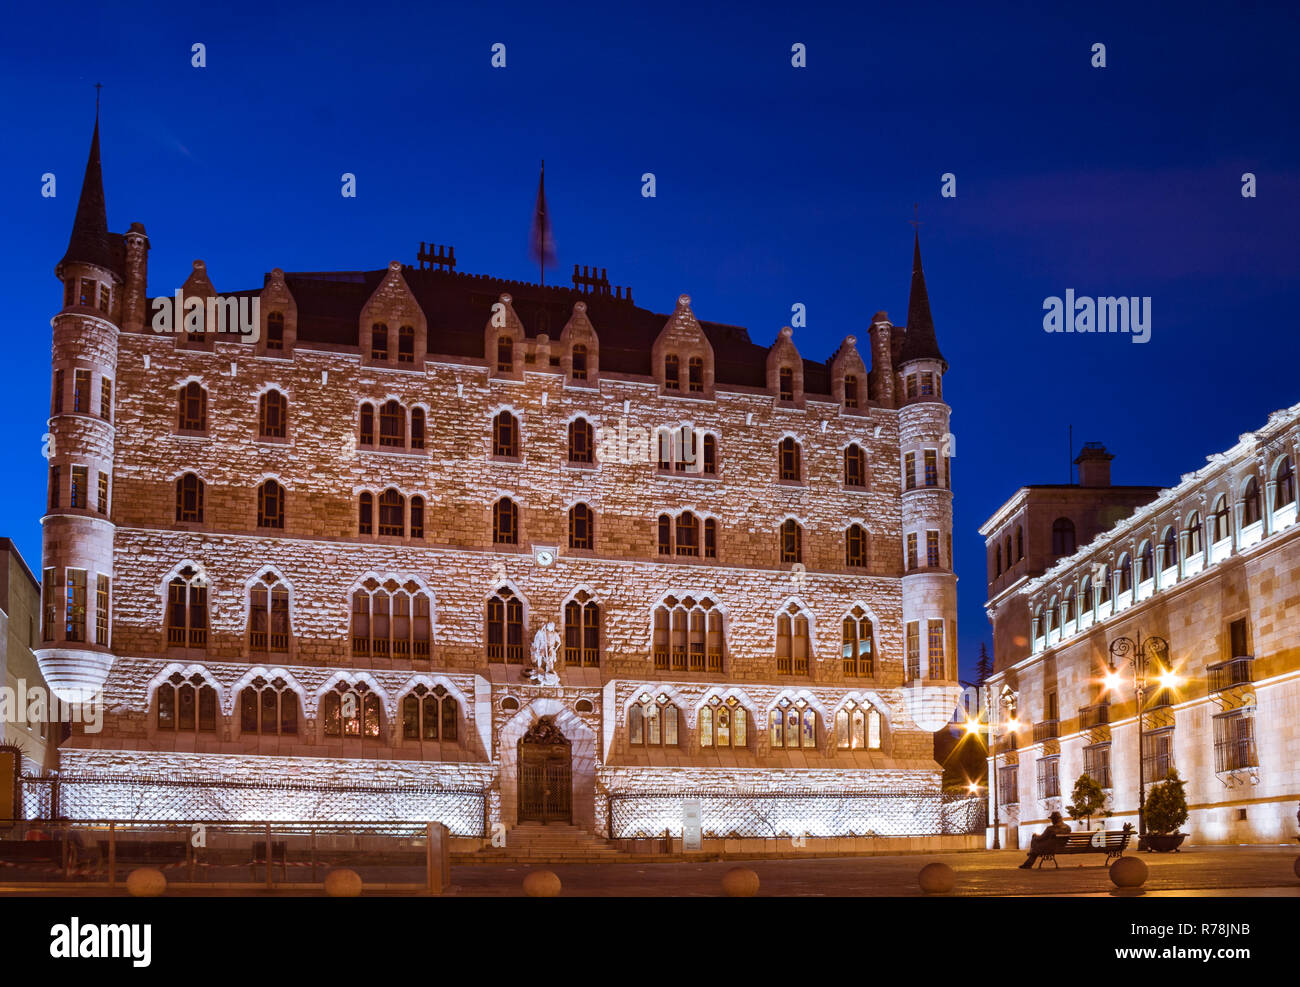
[(1285, 483), (688, 534), (793, 641), (664, 535), (379, 341), (997, 571), (1020, 543), (272, 415), (417, 428), (1125, 573), (366, 430), (417, 517), (192, 408), (581, 444), (406, 344), (1010, 558), (672, 372), (792, 724), (1052, 616), (695, 374), (710, 455), (788, 460), (858, 644), (850, 391), (1219, 520), (652, 722), (723, 723), (189, 498), (1068, 607), (268, 708), (579, 361), (352, 711), (1250, 512), (187, 704), (858, 726), (785, 380), (1103, 585), (710, 538), (392, 425), (582, 630), (366, 514), (505, 627), (1171, 547), (1085, 595), (505, 522), (855, 547), (275, 331), (1193, 535), (1146, 562), (392, 513), (391, 619), (270, 505), (688, 634), (791, 541), (505, 435), (187, 610), (855, 466), (1063, 536), (268, 615), (582, 527), (505, 355), (430, 714)]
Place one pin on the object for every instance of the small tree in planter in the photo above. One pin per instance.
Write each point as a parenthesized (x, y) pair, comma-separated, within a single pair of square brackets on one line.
[(1089, 799), (1166, 810)]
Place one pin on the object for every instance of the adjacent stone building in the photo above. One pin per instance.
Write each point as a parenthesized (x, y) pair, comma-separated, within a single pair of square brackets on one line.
[(26, 722), (315, 554), (1210, 566)]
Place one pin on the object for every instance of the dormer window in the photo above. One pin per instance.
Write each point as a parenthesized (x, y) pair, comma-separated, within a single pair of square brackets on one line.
[(579, 362), (672, 373), (850, 391), (505, 355), (406, 344), (379, 342), (275, 331), (695, 369), (787, 384)]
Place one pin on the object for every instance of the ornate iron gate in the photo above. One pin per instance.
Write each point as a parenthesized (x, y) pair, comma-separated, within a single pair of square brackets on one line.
[(545, 774)]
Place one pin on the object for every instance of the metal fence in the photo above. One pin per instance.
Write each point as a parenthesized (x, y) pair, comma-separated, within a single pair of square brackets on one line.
[(77, 797), (772, 815)]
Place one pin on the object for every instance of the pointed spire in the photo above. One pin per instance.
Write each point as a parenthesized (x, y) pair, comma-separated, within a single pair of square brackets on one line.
[(91, 243), (919, 342)]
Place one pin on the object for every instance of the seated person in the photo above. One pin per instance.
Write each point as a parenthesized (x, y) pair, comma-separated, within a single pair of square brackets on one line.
[(1041, 840)]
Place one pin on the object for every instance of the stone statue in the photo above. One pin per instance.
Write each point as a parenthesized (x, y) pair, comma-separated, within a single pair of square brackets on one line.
[(545, 652)]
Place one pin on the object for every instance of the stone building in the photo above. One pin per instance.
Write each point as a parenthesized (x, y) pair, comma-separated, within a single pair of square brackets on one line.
[(323, 550), (1210, 566), (25, 704)]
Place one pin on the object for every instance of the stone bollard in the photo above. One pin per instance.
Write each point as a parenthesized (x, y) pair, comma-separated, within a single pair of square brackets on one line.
[(1128, 874), (740, 882), (343, 883), (542, 884), (937, 878), (146, 882)]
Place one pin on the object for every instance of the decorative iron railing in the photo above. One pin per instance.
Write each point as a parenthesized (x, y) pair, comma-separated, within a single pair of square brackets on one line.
[(1226, 674), (1096, 715), (1046, 730)]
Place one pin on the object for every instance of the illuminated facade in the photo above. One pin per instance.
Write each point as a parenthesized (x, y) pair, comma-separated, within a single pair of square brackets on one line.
[(323, 549), (1212, 566)]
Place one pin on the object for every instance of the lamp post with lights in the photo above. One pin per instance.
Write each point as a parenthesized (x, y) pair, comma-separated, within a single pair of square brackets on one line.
[(1139, 653), (973, 728)]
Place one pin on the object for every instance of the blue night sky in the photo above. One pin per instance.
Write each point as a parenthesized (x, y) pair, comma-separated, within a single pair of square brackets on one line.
[(776, 186)]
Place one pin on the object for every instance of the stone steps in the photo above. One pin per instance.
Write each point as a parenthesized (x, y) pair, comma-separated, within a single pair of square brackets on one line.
[(533, 843)]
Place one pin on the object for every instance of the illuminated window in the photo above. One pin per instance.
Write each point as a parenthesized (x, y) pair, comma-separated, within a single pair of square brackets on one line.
[(858, 644), (430, 714), (931, 468), (102, 596), (792, 725), (268, 708), (909, 471), (187, 610), (351, 711), (74, 626), (688, 634), (106, 399), (912, 559), (268, 615), (723, 723), (913, 650), (652, 722), (505, 627), (391, 620), (793, 641), (187, 705), (938, 666), (582, 630), (932, 549), (858, 726)]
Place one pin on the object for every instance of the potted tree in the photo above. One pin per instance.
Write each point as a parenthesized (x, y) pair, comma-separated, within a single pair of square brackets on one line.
[(1089, 799), (1166, 810)]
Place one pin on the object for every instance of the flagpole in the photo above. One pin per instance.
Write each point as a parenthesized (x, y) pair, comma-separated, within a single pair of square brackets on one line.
[(541, 263)]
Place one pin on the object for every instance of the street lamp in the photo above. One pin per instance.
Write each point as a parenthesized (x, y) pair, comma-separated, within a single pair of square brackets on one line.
[(1138, 653), (972, 726)]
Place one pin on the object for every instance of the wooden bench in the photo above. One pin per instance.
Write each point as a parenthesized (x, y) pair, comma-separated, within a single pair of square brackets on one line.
[(1111, 842)]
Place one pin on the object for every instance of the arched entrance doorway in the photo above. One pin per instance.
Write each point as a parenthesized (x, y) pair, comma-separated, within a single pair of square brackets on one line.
[(545, 774)]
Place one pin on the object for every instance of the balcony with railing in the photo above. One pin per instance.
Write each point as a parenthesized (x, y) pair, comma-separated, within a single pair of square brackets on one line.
[(1226, 674), (1096, 715), (1235, 754), (1046, 730)]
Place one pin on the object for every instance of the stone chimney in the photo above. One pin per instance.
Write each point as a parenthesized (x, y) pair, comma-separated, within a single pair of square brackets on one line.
[(1094, 465)]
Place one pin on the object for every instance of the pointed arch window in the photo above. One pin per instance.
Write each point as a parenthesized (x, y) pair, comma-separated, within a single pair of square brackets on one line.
[(652, 722), (664, 536), (189, 499), (268, 615), (379, 341), (724, 723), (392, 425), (581, 444), (192, 408), (505, 627), (710, 538), (695, 374), (672, 372), (582, 527), (352, 711), (275, 331), (793, 641), (792, 725), (505, 435), (855, 547), (187, 610), (417, 517), (858, 644), (406, 344), (366, 428), (270, 505), (391, 619), (582, 630), (850, 391), (505, 522), (858, 726), (791, 541), (430, 714), (366, 514), (417, 428), (710, 455), (187, 705), (688, 634), (579, 361), (855, 466), (1285, 483), (789, 457), (268, 708)]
